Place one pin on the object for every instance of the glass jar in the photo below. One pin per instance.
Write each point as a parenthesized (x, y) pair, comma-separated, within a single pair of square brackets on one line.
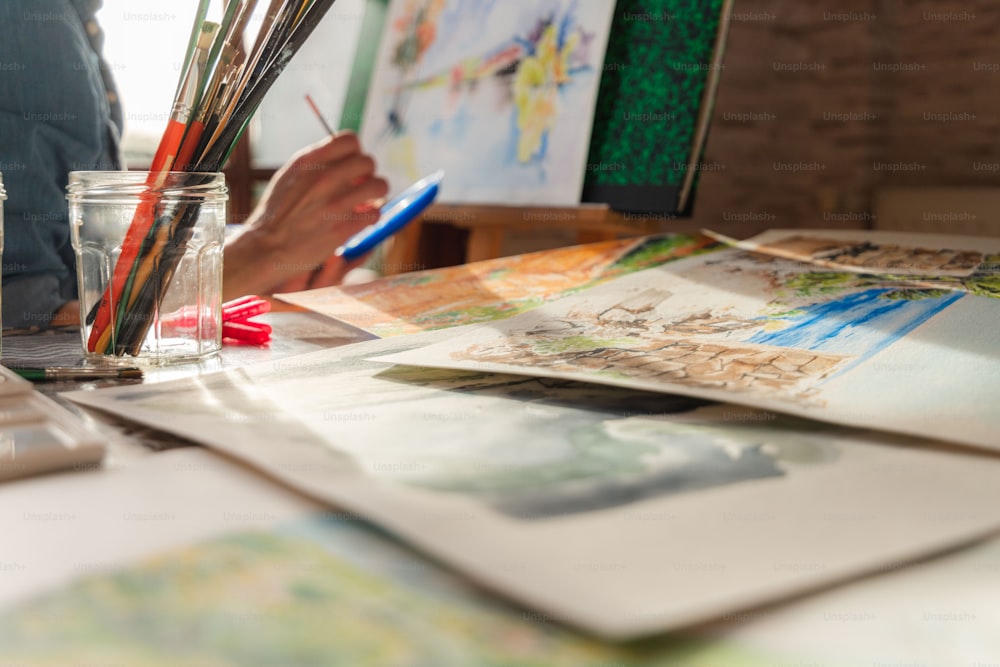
[(148, 263)]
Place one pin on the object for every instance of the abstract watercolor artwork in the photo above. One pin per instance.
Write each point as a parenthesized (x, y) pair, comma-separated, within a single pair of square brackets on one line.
[(500, 95)]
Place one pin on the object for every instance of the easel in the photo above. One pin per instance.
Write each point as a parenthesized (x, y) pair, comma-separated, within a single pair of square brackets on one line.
[(487, 225), (623, 92)]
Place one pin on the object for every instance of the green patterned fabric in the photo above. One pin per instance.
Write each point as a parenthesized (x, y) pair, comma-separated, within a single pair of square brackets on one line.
[(658, 62)]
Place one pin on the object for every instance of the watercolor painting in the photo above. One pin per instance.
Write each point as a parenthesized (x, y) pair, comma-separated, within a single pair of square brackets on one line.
[(932, 261), (499, 95), (804, 333), (508, 478), (329, 590), (755, 329), (318, 591), (581, 447), (492, 289)]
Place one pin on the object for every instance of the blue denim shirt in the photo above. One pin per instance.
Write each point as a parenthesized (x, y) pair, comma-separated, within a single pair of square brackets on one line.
[(58, 113)]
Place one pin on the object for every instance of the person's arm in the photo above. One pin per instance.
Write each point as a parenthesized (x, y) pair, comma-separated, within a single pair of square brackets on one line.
[(54, 118), (322, 197)]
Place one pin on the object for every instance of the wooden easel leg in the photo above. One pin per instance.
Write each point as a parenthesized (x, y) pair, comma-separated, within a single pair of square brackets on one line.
[(484, 243), (402, 251)]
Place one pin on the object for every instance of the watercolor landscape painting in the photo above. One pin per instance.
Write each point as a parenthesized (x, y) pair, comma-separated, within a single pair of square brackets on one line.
[(327, 589), (499, 95), (319, 591), (581, 447), (537, 486), (492, 289), (965, 264), (762, 331)]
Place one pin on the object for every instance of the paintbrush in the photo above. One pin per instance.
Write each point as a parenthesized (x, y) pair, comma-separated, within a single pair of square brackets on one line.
[(78, 373), (319, 115), (192, 137), (252, 96), (217, 66), (229, 86), (143, 220)]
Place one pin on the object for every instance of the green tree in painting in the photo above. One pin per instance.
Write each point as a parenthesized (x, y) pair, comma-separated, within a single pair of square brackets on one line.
[(915, 294), (986, 280), (827, 282)]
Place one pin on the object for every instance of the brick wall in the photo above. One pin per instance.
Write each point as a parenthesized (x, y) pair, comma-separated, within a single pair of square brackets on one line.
[(822, 103), (946, 113)]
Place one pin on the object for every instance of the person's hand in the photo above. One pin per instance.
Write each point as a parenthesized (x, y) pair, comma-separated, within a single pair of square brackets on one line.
[(322, 197), (331, 272)]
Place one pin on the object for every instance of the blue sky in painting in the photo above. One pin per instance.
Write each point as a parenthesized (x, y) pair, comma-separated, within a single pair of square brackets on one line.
[(863, 323)]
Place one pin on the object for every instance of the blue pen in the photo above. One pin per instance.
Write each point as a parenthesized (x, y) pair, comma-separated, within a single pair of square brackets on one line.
[(395, 214)]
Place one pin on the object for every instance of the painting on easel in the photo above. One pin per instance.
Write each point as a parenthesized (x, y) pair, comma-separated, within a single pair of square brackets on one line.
[(499, 95)]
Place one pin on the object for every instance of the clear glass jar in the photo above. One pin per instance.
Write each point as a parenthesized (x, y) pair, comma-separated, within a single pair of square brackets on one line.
[(167, 306)]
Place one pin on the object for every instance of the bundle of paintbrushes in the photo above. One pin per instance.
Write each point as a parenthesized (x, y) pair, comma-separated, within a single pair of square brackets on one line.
[(221, 85)]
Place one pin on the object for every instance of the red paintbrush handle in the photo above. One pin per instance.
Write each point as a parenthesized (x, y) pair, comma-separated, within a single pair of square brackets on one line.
[(191, 139), (142, 222)]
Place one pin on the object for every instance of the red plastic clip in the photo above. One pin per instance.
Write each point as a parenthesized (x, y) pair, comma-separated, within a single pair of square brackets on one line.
[(247, 332), (236, 324)]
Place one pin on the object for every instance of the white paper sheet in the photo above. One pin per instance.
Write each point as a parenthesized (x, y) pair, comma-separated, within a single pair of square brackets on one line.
[(620, 512)]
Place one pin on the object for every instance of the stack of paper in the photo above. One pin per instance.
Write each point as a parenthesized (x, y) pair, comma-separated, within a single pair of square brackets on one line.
[(37, 434), (568, 457)]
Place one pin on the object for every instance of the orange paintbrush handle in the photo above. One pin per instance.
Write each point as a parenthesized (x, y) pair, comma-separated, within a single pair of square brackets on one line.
[(167, 151), (142, 221), (191, 139)]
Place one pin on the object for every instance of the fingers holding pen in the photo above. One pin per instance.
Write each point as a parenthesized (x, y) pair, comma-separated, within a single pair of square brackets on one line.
[(313, 205), (315, 164), (346, 174), (351, 192), (333, 271), (309, 187), (327, 153), (341, 178), (360, 199)]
